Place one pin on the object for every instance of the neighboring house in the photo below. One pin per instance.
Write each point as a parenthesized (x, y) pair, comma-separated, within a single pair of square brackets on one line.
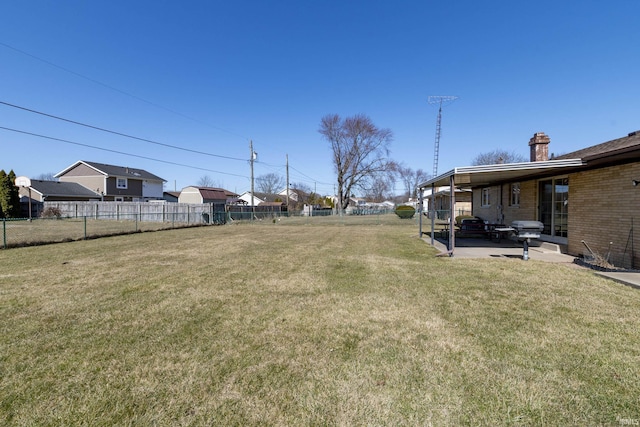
[(363, 207), (260, 198), (50, 191), (115, 183), (355, 204), (171, 196), (246, 199), (442, 202), (293, 195), (387, 204), (58, 191), (587, 197), (194, 194)]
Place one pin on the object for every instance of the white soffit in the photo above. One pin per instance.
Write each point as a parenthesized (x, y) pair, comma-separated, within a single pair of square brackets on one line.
[(473, 176)]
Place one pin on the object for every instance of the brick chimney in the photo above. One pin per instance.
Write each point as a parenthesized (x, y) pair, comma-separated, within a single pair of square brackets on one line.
[(539, 147)]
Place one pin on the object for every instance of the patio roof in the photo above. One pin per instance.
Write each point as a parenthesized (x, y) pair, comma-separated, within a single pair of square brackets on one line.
[(484, 175), (475, 176)]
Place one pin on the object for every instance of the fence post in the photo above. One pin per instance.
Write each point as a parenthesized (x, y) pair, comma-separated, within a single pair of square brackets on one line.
[(137, 221), (4, 233), (85, 227)]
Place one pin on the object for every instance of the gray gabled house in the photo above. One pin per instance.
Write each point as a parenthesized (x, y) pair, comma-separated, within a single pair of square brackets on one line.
[(115, 183)]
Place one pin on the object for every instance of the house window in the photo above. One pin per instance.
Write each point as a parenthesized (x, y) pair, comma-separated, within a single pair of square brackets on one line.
[(121, 183), (486, 199), (118, 199), (515, 194)]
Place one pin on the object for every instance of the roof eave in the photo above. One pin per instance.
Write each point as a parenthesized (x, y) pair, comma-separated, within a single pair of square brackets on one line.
[(514, 169)]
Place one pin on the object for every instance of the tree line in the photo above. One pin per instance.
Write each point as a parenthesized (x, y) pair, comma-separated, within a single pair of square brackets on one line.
[(361, 159), (9, 196)]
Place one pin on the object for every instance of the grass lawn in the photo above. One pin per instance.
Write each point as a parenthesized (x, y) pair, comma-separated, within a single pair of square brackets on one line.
[(42, 231), (322, 321)]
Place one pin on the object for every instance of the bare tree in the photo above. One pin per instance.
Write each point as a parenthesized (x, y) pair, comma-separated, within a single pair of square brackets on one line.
[(380, 188), (207, 181), (360, 151), (270, 183), (411, 179), (49, 176), (301, 187), (498, 156)]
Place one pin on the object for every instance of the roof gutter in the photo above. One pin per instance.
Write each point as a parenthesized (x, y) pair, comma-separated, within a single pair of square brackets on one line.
[(444, 179)]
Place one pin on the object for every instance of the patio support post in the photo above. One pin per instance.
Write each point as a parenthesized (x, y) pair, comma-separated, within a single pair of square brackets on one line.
[(433, 213), (420, 207), (452, 220)]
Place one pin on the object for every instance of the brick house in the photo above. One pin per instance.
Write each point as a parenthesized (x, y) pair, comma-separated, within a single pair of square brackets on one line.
[(114, 183), (588, 196)]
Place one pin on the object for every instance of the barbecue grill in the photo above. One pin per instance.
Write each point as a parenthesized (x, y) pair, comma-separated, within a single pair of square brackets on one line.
[(525, 231)]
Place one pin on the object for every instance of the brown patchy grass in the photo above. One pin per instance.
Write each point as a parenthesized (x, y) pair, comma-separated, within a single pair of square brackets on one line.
[(16, 233), (324, 321)]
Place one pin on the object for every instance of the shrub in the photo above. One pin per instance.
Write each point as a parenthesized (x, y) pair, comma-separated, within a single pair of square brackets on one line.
[(405, 212), (51, 212)]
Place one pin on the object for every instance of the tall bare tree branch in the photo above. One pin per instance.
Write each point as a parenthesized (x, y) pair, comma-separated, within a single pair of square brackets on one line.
[(411, 179), (360, 151), (498, 156), (271, 183)]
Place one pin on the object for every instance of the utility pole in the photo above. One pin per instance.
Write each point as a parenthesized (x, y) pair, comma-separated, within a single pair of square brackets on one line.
[(287, 185), (252, 158), (436, 150)]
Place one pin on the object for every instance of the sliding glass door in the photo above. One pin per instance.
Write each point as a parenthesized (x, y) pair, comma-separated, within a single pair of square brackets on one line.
[(553, 203)]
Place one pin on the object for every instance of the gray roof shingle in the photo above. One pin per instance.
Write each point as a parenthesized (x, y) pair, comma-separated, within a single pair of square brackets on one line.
[(625, 143), (62, 189), (123, 171)]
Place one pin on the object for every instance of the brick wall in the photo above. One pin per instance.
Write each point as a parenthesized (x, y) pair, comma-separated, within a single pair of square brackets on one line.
[(527, 209), (501, 195), (488, 213), (603, 204)]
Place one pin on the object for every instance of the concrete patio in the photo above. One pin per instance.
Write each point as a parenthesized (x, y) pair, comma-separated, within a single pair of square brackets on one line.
[(467, 247)]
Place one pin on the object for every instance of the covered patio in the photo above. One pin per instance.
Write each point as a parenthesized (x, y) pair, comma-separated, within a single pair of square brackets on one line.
[(470, 177)]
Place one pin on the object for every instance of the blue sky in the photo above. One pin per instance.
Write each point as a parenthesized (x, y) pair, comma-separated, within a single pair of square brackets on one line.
[(210, 76)]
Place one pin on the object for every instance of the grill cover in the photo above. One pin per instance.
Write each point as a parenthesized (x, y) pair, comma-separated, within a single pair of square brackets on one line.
[(527, 229)]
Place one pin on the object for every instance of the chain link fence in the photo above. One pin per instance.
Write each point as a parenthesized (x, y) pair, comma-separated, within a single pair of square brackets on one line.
[(69, 221), (25, 232)]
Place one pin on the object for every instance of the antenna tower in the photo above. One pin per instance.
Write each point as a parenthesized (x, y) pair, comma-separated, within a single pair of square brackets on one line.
[(440, 100)]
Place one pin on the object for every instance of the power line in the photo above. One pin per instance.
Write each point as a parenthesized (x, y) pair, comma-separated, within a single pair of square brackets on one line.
[(308, 177), (117, 133), (271, 166), (122, 134), (120, 91), (118, 152)]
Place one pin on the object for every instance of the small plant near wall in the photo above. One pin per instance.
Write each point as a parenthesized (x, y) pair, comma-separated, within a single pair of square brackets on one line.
[(405, 212), (50, 213)]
